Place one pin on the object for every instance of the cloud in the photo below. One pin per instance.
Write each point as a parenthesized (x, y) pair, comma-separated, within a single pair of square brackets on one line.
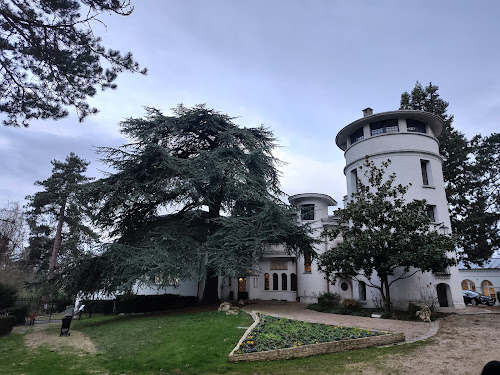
[(304, 174)]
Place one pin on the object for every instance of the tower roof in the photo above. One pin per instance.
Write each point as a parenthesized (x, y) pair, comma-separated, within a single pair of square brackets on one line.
[(295, 199), (432, 120)]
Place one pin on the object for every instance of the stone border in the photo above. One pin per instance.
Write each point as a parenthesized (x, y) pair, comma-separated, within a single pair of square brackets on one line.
[(313, 349)]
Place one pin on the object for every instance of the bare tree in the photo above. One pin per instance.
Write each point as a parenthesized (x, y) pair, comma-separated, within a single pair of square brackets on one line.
[(12, 233)]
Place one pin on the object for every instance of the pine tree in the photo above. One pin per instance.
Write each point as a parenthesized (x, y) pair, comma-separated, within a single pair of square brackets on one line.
[(193, 194), (56, 216), (50, 58), (470, 170)]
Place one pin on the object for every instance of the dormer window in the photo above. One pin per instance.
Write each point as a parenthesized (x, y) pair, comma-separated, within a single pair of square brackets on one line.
[(357, 136), (415, 126), (307, 212), (385, 126)]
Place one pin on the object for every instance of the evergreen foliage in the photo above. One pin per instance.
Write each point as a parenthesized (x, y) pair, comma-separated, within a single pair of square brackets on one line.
[(193, 195), (471, 171), (384, 234), (56, 217), (50, 58), (8, 296)]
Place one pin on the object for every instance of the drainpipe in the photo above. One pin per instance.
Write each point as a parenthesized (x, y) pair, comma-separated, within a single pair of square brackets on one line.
[(297, 278), (327, 281)]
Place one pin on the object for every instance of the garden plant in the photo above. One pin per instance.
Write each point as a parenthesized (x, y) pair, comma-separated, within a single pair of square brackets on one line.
[(273, 333)]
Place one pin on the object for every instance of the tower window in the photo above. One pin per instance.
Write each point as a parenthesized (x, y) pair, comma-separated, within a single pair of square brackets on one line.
[(426, 172), (358, 135), (307, 212), (415, 126), (385, 126), (354, 179), (431, 212)]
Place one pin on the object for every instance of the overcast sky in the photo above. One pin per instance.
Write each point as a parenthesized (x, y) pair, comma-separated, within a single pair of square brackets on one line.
[(303, 69)]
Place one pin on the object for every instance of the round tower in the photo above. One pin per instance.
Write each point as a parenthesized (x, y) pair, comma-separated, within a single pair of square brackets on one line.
[(409, 139)]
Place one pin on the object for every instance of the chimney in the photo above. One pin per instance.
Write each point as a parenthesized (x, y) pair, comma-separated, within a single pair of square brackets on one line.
[(367, 112)]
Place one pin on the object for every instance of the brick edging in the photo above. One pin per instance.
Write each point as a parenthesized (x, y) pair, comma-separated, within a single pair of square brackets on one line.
[(312, 349)]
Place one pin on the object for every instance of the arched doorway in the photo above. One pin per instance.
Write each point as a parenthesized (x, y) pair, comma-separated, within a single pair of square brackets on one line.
[(443, 294)]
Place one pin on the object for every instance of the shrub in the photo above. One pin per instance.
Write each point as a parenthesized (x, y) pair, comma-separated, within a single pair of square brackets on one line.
[(317, 307), (498, 296), (350, 304), (386, 315), (7, 322), (8, 296), (328, 299), (413, 308), (18, 312)]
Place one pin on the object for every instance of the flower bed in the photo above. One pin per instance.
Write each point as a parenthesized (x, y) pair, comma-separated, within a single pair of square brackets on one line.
[(280, 338)]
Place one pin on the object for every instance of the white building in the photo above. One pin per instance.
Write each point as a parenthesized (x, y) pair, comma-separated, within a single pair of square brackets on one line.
[(409, 139), (484, 279)]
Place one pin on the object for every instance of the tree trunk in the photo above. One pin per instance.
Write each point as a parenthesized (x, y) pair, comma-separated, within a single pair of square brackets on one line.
[(57, 241), (211, 291), (387, 295)]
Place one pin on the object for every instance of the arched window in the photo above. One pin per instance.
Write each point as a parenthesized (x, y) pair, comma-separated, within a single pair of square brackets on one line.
[(275, 281), (362, 291), (468, 285), (266, 281), (487, 288), (284, 281), (293, 282)]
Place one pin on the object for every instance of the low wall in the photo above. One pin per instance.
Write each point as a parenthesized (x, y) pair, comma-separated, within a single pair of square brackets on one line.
[(313, 349)]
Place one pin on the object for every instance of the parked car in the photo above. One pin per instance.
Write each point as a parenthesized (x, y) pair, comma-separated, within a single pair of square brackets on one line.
[(475, 298)]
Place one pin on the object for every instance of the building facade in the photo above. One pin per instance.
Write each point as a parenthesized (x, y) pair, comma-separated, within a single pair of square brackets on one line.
[(409, 139), (484, 279)]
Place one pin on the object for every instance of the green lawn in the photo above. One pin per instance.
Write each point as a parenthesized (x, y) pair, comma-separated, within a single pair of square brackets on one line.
[(196, 343)]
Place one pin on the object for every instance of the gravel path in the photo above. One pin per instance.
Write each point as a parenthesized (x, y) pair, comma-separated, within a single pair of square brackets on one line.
[(414, 331)]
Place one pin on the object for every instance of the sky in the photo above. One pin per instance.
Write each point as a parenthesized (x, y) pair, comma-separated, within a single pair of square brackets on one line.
[(303, 69)]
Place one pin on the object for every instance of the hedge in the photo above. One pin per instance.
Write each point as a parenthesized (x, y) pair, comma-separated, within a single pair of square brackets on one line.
[(138, 303), (7, 322)]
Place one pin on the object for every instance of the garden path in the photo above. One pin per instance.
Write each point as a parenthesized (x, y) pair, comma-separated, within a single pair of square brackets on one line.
[(413, 331)]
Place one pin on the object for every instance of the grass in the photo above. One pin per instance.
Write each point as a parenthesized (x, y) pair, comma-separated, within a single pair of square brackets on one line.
[(16, 358), (196, 343)]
